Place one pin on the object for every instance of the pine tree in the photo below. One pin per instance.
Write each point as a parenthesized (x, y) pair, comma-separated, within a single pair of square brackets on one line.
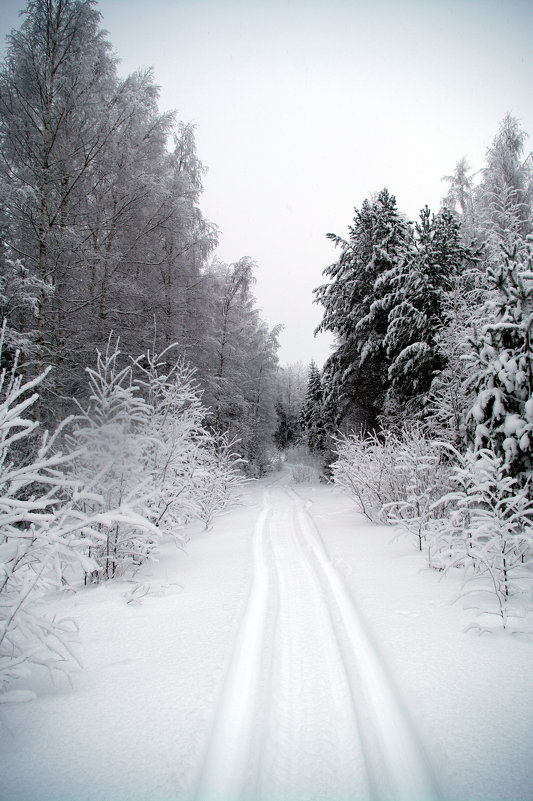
[(353, 308), (502, 362), (415, 296), (312, 416)]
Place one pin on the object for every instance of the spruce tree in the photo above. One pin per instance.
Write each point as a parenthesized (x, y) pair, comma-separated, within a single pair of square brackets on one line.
[(414, 293), (502, 361), (312, 417), (353, 308)]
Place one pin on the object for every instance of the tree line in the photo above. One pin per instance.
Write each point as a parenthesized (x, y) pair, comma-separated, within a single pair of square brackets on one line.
[(101, 231), (425, 407), (432, 318), (137, 377)]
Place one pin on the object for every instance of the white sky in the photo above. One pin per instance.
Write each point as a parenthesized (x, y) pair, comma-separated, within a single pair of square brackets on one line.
[(305, 107)]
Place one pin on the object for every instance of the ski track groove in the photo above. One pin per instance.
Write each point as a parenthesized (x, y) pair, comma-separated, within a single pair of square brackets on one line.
[(307, 711)]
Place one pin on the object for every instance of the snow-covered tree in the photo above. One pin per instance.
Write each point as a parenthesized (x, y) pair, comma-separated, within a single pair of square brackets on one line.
[(55, 118), (460, 198), (487, 529), (216, 477), (352, 309), (312, 420), (103, 220), (238, 366), (421, 470), (114, 459), (501, 360), (450, 396), (178, 440), (504, 198), (414, 294), (19, 294), (48, 522), (291, 387)]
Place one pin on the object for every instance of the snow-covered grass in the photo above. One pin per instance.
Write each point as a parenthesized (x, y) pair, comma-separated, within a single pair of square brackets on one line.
[(134, 723)]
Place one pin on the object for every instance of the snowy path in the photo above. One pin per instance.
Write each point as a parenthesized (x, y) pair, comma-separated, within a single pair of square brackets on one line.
[(248, 673), (306, 710)]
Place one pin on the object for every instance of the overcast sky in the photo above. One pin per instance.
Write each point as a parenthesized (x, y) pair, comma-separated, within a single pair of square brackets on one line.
[(305, 107)]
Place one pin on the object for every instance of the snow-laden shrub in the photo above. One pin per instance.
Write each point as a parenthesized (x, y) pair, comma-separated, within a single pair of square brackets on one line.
[(178, 437), (487, 529), (364, 468), (114, 459), (421, 473), (48, 520), (136, 462), (216, 477), (394, 478), (34, 544), (196, 473), (466, 508), (143, 441)]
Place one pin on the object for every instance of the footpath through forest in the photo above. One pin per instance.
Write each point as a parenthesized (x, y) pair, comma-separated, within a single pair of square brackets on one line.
[(293, 652)]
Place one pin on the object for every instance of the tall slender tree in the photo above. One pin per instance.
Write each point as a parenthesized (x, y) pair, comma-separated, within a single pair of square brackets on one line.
[(353, 308), (57, 115), (415, 293)]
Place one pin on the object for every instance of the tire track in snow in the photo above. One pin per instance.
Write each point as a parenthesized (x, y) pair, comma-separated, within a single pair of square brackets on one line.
[(398, 767), (306, 710), (314, 750), (225, 763)]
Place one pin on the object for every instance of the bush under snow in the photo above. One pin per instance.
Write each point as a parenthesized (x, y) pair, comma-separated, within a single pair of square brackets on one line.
[(91, 501)]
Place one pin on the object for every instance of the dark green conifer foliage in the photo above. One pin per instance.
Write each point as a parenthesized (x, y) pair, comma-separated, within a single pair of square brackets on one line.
[(312, 418), (502, 366), (414, 294), (353, 310)]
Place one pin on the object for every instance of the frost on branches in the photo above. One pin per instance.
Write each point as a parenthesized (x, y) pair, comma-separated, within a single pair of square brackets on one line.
[(195, 471), (113, 460), (91, 501), (464, 510), (43, 532), (486, 529), (144, 447), (502, 362)]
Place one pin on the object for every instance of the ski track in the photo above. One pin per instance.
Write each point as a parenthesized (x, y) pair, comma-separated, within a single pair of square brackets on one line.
[(307, 711)]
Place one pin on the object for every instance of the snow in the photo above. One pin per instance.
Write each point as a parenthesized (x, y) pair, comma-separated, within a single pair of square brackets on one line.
[(291, 652)]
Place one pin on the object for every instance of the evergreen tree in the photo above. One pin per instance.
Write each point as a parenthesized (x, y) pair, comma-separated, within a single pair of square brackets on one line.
[(414, 293), (353, 308), (502, 361), (312, 416)]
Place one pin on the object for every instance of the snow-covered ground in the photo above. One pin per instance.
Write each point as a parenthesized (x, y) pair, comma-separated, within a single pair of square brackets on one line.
[(293, 652)]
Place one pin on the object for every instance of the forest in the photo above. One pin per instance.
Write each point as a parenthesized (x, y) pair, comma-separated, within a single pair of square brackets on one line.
[(140, 386)]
